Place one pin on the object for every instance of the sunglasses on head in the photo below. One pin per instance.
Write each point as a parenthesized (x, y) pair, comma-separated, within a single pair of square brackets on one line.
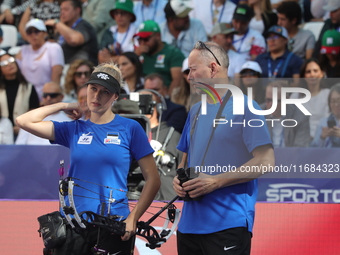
[(32, 31), (51, 95), (87, 74), (7, 62), (203, 46)]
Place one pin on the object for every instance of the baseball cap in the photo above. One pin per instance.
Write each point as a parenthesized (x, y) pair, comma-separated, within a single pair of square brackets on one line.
[(178, 8), (124, 5), (243, 12), (251, 65), (126, 106), (332, 5), (147, 28), (105, 80), (36, 23), (222, 28), (281, 31), (330, 42)]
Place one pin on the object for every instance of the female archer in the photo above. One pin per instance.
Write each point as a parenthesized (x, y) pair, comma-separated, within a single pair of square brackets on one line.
[(102, 149)]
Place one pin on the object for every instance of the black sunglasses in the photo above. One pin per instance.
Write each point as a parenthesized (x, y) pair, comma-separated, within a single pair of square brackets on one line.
[(249, 73), (146, 39), (51, 95), (202, 45), (32, 31), (80, 74)]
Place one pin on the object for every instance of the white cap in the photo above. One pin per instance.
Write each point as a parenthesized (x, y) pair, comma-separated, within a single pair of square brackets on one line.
[(185, 65), (252, 65), (180, 7), (36, 23), (332, 5)]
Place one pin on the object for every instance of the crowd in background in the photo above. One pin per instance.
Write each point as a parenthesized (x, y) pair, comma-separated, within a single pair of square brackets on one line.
[(60, 42)]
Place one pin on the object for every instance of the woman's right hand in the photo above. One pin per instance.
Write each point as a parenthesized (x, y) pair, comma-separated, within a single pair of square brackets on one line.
[(73, 110)]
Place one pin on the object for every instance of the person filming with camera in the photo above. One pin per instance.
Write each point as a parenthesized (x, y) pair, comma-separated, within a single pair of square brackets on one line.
[(221, 221)]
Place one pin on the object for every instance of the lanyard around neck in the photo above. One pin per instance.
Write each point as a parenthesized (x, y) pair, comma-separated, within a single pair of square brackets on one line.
[(154, 11), (221, 13)]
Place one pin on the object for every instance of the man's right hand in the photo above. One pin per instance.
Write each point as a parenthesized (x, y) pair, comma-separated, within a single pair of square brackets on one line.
[(178, 188)]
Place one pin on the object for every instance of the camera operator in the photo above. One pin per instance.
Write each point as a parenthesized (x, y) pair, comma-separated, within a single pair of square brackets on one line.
[(164, 142)]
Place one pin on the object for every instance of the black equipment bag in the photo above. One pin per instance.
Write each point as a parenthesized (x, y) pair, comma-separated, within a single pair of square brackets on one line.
[(52, 229)]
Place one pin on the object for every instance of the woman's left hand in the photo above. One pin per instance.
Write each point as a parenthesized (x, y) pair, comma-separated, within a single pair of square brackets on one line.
[(130, 229)]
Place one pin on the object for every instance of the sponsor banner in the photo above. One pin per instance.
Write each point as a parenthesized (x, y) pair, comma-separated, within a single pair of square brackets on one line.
[(31, 172)]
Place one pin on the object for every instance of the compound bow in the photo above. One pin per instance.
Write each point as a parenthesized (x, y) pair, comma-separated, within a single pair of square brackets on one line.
[(114, 223)]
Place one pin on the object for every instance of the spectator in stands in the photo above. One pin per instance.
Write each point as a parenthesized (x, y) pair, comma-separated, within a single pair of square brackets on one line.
[(301, 42), (264, 17), (223, 34), (248, 42), (181, 94), (330, 53), (96, 13), (76, 36), (179, 30), (149, 10), (250, 78), (40, 61), (314, 82), (52, 94), (159, 57), (41, 9), (328, 130), (6, 130), (82, 100), (17, 96), (77, 75), (212, 12), (12, 11), (118, 38), (167, 160), (317, 9), (297, 134), (278, 62), (333, 6), (175, 115), (1, 36), (132, 72)]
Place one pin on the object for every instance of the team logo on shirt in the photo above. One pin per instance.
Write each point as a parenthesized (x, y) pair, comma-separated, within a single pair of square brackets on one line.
[(160, 61), (112, 138), (85, 138)]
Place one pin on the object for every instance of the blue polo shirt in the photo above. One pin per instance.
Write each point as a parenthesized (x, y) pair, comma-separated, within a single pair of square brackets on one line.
[(270, 67), (231, 146)]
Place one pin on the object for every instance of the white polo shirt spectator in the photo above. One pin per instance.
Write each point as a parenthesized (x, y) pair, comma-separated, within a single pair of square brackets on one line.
[(149, 10), (210, 14)]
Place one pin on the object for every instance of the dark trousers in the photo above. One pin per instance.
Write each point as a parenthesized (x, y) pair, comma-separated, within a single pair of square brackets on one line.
[(234, 241)]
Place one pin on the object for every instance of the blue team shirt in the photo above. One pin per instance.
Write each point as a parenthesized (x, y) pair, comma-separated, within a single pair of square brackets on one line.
[(293, 66), (102, 154), (232, 206)]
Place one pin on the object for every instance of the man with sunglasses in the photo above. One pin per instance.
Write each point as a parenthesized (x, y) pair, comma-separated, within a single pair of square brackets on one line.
[(52, 94), (278, 62), (157, 56), (219, 207)]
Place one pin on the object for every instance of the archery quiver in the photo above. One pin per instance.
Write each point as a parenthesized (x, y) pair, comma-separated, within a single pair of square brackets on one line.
[(52, 230)]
